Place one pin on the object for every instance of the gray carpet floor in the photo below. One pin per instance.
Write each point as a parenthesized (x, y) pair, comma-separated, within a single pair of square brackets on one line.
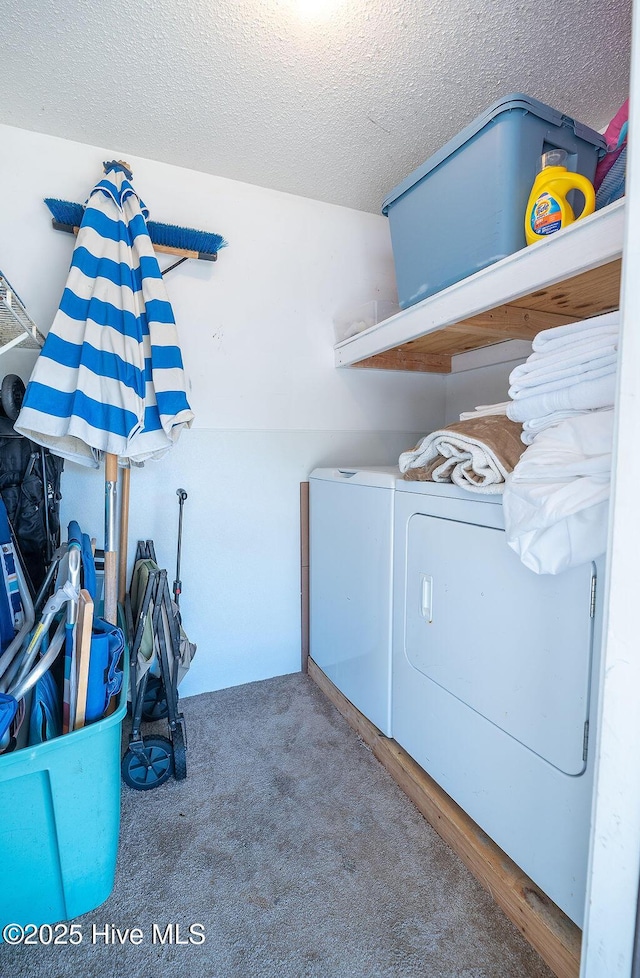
[(296, 852)]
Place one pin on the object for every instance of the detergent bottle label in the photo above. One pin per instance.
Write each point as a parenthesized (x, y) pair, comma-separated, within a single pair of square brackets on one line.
[(546, 215)]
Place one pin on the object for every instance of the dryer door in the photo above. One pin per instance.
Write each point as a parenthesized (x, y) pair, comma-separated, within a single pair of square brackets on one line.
[(513, 645)]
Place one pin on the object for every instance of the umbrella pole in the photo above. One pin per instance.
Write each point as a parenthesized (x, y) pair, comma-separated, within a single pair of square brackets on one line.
[(110, 552), (124, 534)]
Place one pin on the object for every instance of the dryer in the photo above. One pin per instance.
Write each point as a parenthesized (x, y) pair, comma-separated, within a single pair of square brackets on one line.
[(350, 583), (492, 689)]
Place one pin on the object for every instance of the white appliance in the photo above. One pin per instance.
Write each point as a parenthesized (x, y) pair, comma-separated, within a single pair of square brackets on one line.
[(492, 681), (350, 583)]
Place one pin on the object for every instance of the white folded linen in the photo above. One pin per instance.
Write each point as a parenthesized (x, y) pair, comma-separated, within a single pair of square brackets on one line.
[(575, 540), (584, 331), (541, 382), (556, 499), (535, 425), (485, 410), (571, 355), (582, 396), (541, 368), (538, 424)]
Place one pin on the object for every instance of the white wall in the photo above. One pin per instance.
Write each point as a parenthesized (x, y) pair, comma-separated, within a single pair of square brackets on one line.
[(612, 933), (257, 335), (478, 385)]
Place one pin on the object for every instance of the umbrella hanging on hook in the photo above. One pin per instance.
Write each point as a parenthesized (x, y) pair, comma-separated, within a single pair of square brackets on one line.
[(109, 380)]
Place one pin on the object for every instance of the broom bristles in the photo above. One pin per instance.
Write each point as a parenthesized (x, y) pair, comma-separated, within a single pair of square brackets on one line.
[(188, 239), (65, 211), (170, 235)]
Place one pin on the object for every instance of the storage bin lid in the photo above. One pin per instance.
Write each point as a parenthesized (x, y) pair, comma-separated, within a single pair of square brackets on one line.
[(515, 101)]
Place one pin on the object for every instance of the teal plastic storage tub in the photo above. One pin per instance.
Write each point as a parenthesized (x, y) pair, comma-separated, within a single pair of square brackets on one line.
[(464, 208), (60, 822)]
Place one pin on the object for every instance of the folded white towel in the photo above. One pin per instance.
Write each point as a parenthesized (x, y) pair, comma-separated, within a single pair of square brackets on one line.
[(556, 499), (538, 424), (583, 396), (541, 382), (585, 330), (534, 426), (485, 410), (577, 352), (580, 355)]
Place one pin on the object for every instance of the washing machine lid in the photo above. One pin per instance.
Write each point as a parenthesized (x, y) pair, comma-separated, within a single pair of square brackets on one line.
[(447, 490), (378, 476)]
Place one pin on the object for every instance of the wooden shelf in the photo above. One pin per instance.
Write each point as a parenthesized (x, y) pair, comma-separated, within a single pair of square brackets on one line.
[(573, 275)]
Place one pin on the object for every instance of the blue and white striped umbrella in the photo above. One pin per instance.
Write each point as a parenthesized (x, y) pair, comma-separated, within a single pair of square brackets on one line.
[(110, 377)]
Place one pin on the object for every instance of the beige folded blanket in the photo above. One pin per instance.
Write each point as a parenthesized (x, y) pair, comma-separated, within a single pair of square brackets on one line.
[(476, 454)]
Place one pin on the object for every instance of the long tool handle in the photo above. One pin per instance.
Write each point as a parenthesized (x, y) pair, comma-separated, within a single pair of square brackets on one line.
[(183, 253), (177, 584), (46, 502), (83, 654), (70, 691), (110, 553), (124, 534)]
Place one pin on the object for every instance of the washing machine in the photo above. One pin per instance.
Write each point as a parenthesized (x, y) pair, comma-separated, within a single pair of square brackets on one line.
[(350, 583), (493, 680)]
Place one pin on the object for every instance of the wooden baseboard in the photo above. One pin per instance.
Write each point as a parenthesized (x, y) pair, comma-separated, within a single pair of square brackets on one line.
[(553, 935), (304, 575)]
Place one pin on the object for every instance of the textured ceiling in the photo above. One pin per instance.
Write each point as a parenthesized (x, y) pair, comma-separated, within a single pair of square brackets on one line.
[(337, 101)]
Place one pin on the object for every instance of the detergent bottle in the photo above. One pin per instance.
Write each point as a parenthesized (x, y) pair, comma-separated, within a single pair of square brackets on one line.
[(548, 209)]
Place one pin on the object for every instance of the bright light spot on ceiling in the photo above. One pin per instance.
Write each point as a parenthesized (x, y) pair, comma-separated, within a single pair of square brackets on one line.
[(316, 9)]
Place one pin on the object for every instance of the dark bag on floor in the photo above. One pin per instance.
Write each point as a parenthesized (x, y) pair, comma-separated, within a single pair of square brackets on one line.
[(30, 487)]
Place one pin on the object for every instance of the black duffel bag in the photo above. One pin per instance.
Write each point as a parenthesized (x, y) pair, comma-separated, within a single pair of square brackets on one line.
[(30, 488)]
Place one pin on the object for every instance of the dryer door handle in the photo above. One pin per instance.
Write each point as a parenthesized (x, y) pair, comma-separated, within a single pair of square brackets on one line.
[(426, 598)]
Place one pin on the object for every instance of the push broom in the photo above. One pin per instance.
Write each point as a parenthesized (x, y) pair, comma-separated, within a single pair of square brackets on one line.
[(170, 239)]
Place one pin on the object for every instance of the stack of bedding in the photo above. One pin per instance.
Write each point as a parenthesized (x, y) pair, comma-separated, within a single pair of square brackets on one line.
[(572, 370), (556, 503), (556, 500)]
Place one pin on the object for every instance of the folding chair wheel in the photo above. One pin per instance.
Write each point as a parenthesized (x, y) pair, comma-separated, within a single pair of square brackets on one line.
[(154, 704), (179, 754), (151, 766), (12, 391)]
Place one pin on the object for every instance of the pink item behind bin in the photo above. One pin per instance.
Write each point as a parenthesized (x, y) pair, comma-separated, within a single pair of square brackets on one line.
[(612, 135)]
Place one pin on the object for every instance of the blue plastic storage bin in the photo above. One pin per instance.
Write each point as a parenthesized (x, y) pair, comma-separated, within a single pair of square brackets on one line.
[(60, 822), (464, 208)]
